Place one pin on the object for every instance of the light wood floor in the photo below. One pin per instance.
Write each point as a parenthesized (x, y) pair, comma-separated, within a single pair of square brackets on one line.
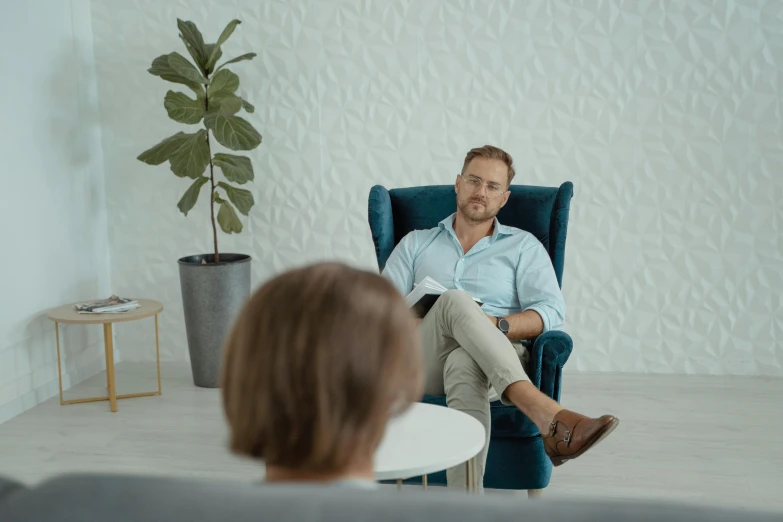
[(714, 440)]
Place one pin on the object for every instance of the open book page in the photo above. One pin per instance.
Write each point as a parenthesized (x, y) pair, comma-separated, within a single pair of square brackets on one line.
[(426, 286)]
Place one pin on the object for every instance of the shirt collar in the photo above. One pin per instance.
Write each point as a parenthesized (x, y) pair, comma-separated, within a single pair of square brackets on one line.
[(498, 231)]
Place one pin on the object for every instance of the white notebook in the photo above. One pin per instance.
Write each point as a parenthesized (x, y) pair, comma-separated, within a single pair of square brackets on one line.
[(424, 295)]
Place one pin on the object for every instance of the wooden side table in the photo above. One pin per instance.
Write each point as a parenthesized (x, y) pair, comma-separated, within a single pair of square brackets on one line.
[(68, 315)]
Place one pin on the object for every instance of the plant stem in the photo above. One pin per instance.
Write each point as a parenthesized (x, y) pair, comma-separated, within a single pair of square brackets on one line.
[(212, 182), (212, 201)]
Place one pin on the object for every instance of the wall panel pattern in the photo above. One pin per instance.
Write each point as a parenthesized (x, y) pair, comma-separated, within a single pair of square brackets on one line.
[(666, 115)]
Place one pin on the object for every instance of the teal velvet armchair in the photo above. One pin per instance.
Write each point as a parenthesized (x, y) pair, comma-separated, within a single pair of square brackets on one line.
[(516, 458)]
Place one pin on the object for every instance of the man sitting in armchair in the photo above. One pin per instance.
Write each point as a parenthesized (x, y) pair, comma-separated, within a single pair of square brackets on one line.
[(467, 349)]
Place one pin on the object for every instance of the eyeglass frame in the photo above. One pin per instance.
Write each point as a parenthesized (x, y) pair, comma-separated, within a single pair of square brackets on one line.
[(481, 184)]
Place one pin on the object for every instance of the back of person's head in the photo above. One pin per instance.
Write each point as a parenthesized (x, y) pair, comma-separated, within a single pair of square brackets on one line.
[(316, 363)]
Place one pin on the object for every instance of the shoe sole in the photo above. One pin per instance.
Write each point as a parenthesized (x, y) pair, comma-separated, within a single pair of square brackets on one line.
[(601, 435)]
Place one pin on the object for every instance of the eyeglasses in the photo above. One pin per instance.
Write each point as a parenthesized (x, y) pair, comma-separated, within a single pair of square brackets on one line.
[(474, 183)]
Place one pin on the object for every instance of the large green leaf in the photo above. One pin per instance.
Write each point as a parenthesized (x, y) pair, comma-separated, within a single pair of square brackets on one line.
[(160, 67), (190, 197), (182, 108), (184, 68), (241, 198), (227, 31), (237, 169), (210, 49), (163, 150), (194, 42), (227, 218), (213, 58), (227, 104), (220, 93), (247, 106), (190, 160), (224, 82), (246, 56), (233, 132)]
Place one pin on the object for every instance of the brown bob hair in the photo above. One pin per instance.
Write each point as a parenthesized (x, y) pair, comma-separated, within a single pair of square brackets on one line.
[(316, 363)]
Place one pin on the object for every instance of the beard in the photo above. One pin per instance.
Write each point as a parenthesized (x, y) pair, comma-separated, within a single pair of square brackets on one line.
[(477, 213)]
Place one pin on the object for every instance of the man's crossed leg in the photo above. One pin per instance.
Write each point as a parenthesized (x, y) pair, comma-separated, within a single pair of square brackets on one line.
[(464, 354)]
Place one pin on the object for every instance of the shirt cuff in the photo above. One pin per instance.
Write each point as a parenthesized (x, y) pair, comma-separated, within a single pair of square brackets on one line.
[(541, 310)]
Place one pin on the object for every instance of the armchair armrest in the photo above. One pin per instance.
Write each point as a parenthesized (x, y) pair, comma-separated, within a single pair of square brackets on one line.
[(381, 223), (549, 353)]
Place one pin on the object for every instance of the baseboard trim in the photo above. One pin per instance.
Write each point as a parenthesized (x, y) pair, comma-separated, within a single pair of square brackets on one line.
[(51, 389)]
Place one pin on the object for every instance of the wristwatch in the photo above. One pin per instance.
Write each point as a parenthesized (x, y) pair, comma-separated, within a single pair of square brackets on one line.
[(503, 325)]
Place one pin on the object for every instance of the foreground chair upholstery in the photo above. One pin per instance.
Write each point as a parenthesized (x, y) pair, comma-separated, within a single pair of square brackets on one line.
[(117, 498)]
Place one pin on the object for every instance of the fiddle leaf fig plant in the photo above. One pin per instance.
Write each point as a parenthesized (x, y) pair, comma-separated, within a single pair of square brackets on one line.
[(215, 109)]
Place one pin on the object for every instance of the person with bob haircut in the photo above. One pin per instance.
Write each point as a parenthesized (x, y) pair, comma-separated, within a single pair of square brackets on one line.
[(316, 363)]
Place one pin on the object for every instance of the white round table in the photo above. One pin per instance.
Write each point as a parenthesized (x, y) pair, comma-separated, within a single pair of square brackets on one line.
[(426, 439)]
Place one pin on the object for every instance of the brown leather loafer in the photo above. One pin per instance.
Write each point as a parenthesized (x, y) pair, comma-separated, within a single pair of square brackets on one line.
[(571, 434)]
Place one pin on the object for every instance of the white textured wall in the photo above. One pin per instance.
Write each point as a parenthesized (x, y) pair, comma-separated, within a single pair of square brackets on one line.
[(52, 201), (666, 115)]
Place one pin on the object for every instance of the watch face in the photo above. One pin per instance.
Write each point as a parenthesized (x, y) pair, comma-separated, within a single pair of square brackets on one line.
[(503, 325)]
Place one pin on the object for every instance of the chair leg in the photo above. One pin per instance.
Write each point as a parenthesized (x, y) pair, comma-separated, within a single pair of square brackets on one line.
[(535, 493)]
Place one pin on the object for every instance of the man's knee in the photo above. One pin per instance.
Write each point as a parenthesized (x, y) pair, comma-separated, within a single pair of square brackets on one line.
[(452, 298)]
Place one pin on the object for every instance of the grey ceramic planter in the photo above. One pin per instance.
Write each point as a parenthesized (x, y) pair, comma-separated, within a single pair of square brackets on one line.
[(212, 295)]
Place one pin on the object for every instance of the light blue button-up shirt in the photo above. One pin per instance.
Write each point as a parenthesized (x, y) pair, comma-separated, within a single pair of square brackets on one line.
[(510, 271)]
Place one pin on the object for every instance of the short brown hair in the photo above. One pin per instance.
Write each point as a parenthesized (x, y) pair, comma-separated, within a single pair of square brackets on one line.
[(491, 152), (317, 361)]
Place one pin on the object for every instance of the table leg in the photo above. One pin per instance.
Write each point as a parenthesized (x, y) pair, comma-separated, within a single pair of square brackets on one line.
[(108, 343), (424, 482), (157, 353), (475, 475), (471, 473), (59, 368), (399, 484)]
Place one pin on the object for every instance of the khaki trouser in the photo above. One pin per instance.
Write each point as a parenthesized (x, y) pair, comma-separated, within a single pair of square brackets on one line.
[(464, 354)]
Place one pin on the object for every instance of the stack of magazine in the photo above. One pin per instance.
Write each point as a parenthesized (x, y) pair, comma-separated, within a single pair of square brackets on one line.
[(112, 305)]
